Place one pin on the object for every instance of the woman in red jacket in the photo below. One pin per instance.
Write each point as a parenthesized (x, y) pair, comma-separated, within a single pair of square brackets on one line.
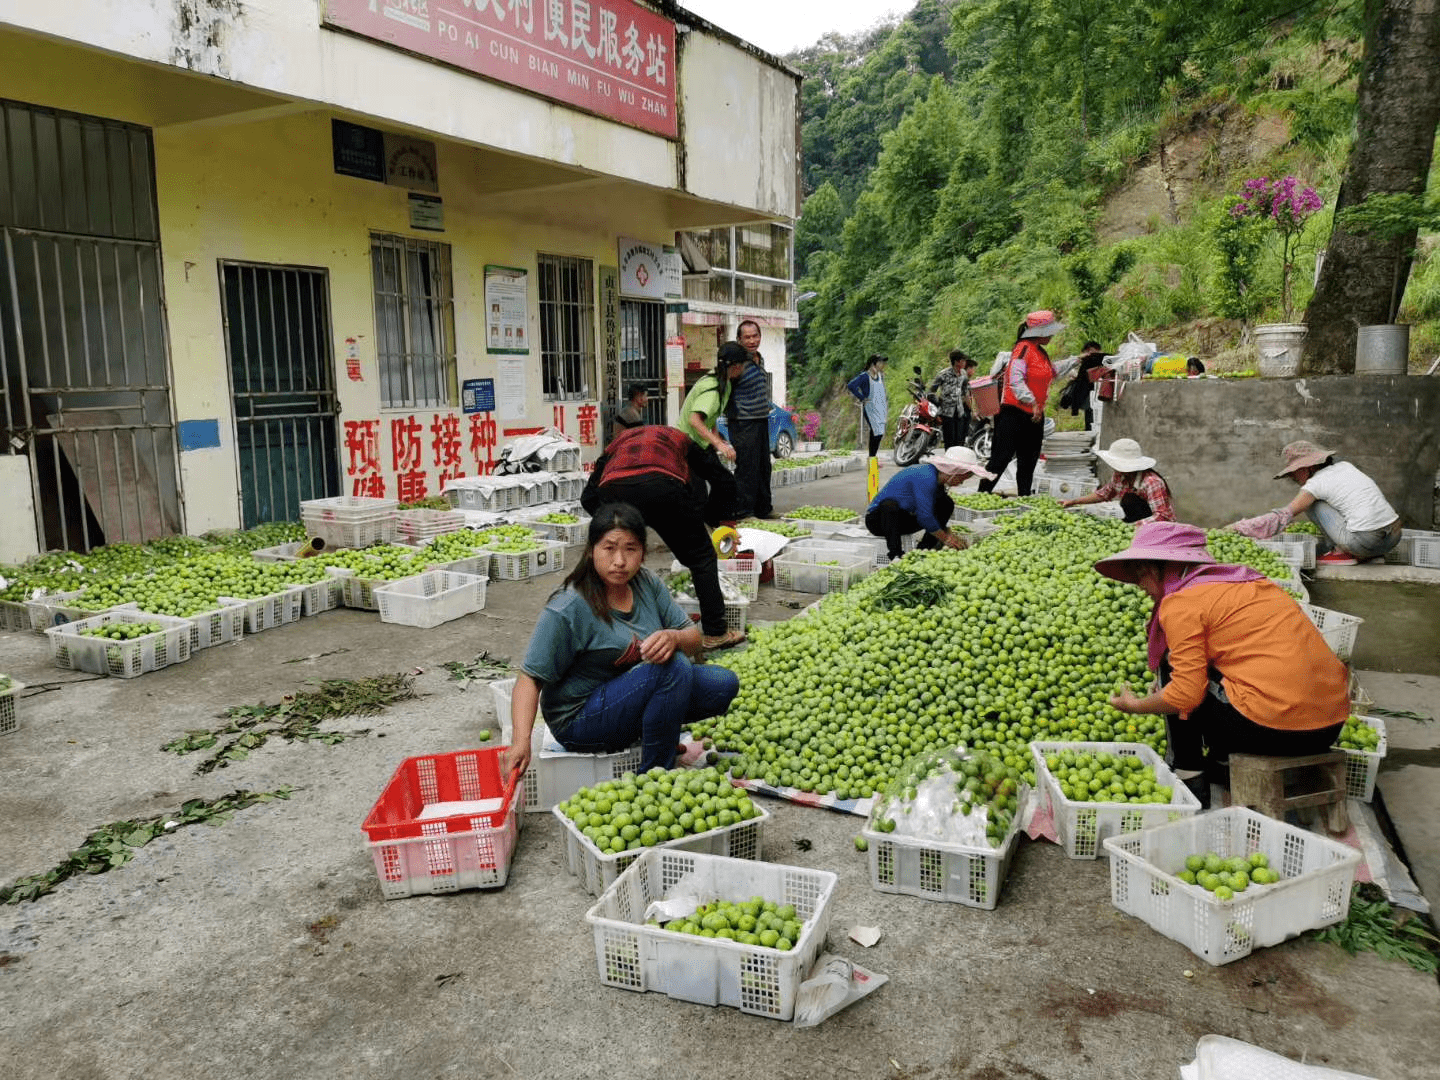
[(1020, 425)]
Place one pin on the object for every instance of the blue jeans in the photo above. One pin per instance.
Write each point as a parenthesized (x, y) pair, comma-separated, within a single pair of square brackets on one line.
[(650, 704), (1370, 544)]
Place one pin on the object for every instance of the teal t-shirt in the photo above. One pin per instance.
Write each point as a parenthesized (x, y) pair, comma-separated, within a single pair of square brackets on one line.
[(572, 652)]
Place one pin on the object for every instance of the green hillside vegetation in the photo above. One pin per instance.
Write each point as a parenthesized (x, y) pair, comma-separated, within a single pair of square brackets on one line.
[(981, 159)]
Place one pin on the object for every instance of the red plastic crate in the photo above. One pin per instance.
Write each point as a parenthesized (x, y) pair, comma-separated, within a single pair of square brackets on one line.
[(414, 855)]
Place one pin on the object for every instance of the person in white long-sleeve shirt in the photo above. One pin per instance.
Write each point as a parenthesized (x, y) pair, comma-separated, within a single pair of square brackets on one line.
[(1019, 426)]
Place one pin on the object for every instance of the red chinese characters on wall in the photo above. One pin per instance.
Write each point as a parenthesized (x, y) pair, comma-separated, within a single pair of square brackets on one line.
[(484, 434), (586, 416), (445, 444), (408, 458), (362, 444)]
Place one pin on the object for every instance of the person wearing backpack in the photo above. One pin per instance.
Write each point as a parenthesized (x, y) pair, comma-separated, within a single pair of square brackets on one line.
[(1020, 424)]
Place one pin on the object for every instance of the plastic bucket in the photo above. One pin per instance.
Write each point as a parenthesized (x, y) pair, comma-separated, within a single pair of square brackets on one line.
[(986, 394), (1280, 345), (1382, 349)]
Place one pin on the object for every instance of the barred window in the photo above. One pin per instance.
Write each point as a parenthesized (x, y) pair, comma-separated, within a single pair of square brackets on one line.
[(414, 321), (567, 327)]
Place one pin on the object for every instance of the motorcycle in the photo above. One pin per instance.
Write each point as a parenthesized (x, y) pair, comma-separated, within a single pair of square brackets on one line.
[(979, 436), (918, 431)]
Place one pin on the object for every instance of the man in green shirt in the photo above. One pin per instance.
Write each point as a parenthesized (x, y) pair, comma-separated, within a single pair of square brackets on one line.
[(702, 407)]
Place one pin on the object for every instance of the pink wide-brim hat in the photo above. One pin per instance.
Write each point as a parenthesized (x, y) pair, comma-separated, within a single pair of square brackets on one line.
[(1301, 453), (1157, 541), (956, 460)]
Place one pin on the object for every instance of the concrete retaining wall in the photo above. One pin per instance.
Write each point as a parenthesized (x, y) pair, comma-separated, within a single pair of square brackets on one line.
[(1218, 441)]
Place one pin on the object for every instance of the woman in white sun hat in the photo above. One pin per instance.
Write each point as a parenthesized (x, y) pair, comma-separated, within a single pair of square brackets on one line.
[(1143, 493), (915, 499)]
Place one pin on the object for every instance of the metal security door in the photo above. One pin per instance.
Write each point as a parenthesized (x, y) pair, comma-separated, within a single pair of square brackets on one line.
[(83, 354), (642, 353), (277, 338)]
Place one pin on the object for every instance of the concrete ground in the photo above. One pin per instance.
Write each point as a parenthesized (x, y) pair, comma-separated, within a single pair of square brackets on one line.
[(262, 947)]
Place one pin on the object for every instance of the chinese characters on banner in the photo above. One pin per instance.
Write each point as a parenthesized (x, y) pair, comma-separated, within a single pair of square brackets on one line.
[(613, 58), (416, 473)]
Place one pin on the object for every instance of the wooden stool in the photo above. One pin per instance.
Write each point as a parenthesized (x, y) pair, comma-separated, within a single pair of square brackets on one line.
[(1273, 785)]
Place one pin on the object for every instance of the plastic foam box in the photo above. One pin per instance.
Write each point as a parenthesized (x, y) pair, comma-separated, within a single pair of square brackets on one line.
[(937, 870), (709, 971), (126, 659), (1082, 826), (1338, 629), (1363, 766), (427, 600), (414, 855), (556, 774), (9, 708), (1316, 872), (598, 871)]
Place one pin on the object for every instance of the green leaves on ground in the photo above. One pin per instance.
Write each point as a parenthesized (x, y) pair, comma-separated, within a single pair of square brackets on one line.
[(482, 669), (1374, 926), (115, 844), (910, 588), (296, 718)]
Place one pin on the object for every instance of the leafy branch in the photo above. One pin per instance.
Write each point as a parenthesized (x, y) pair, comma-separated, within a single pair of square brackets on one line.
[(483, 668), (1374, 926), (115, 844), (296, 718)]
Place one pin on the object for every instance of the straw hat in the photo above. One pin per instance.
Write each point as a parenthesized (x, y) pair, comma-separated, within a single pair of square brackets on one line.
[(1157, 541), (1042, 323), (958, 459), (1124, 456), (1301, 453)]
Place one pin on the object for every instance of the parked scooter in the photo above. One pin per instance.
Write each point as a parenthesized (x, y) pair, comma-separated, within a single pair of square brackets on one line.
[(918, 431), (979, 434)]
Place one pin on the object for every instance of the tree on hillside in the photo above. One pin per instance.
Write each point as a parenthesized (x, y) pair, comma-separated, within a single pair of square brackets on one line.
[(1396, 115)]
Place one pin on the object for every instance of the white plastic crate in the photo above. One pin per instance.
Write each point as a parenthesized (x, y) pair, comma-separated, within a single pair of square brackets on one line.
[(569, 535), (820, 528), (709, 971), (1306, 543), (1081, 826), (417, 526), (1417, 547), (14, 615), (597, 872), (320, 596), (268, 612), (279, 553), (1102, 510), (736, 610), (427, 600), (744, 574), (350, 521), (416, 853), (802, 571), (536, 489), (564, 460), (224, 625), (57, 609), (1317, 874), (1338, 629), (488, 493), (100, 656), (965, 513), (355, 591), (9, 708), (870, 548), (862, 537), (1065, 487), (936, 870), (569, 486), (1363, 766), (555, 773), (522, 565), (477, 564)]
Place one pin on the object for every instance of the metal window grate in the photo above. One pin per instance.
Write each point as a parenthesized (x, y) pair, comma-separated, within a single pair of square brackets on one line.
[(414, 321), (567, 327)]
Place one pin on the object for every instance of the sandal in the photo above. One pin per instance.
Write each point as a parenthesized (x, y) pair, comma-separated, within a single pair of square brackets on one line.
[(727, 640)]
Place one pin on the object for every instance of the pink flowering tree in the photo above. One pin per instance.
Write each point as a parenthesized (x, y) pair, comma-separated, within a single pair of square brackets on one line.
[(1287, 205), (810, 426)]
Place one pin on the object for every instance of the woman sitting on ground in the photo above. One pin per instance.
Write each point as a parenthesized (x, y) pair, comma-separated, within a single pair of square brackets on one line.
[(1143, 493), (607, 662), (1243, 670), (1345, 504)]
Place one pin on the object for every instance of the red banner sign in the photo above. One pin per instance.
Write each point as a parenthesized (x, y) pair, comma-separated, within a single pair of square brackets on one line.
[(613, 58)]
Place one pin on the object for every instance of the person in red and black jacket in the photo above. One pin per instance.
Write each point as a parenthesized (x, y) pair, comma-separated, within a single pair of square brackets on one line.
[(1020, 424), (653, 468)]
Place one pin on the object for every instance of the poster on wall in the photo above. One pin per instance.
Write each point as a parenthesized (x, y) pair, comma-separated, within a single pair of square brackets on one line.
[(510, 388), (506, 307), (675, 361)]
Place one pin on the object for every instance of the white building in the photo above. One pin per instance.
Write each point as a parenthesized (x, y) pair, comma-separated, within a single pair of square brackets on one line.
[(253, 253)]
